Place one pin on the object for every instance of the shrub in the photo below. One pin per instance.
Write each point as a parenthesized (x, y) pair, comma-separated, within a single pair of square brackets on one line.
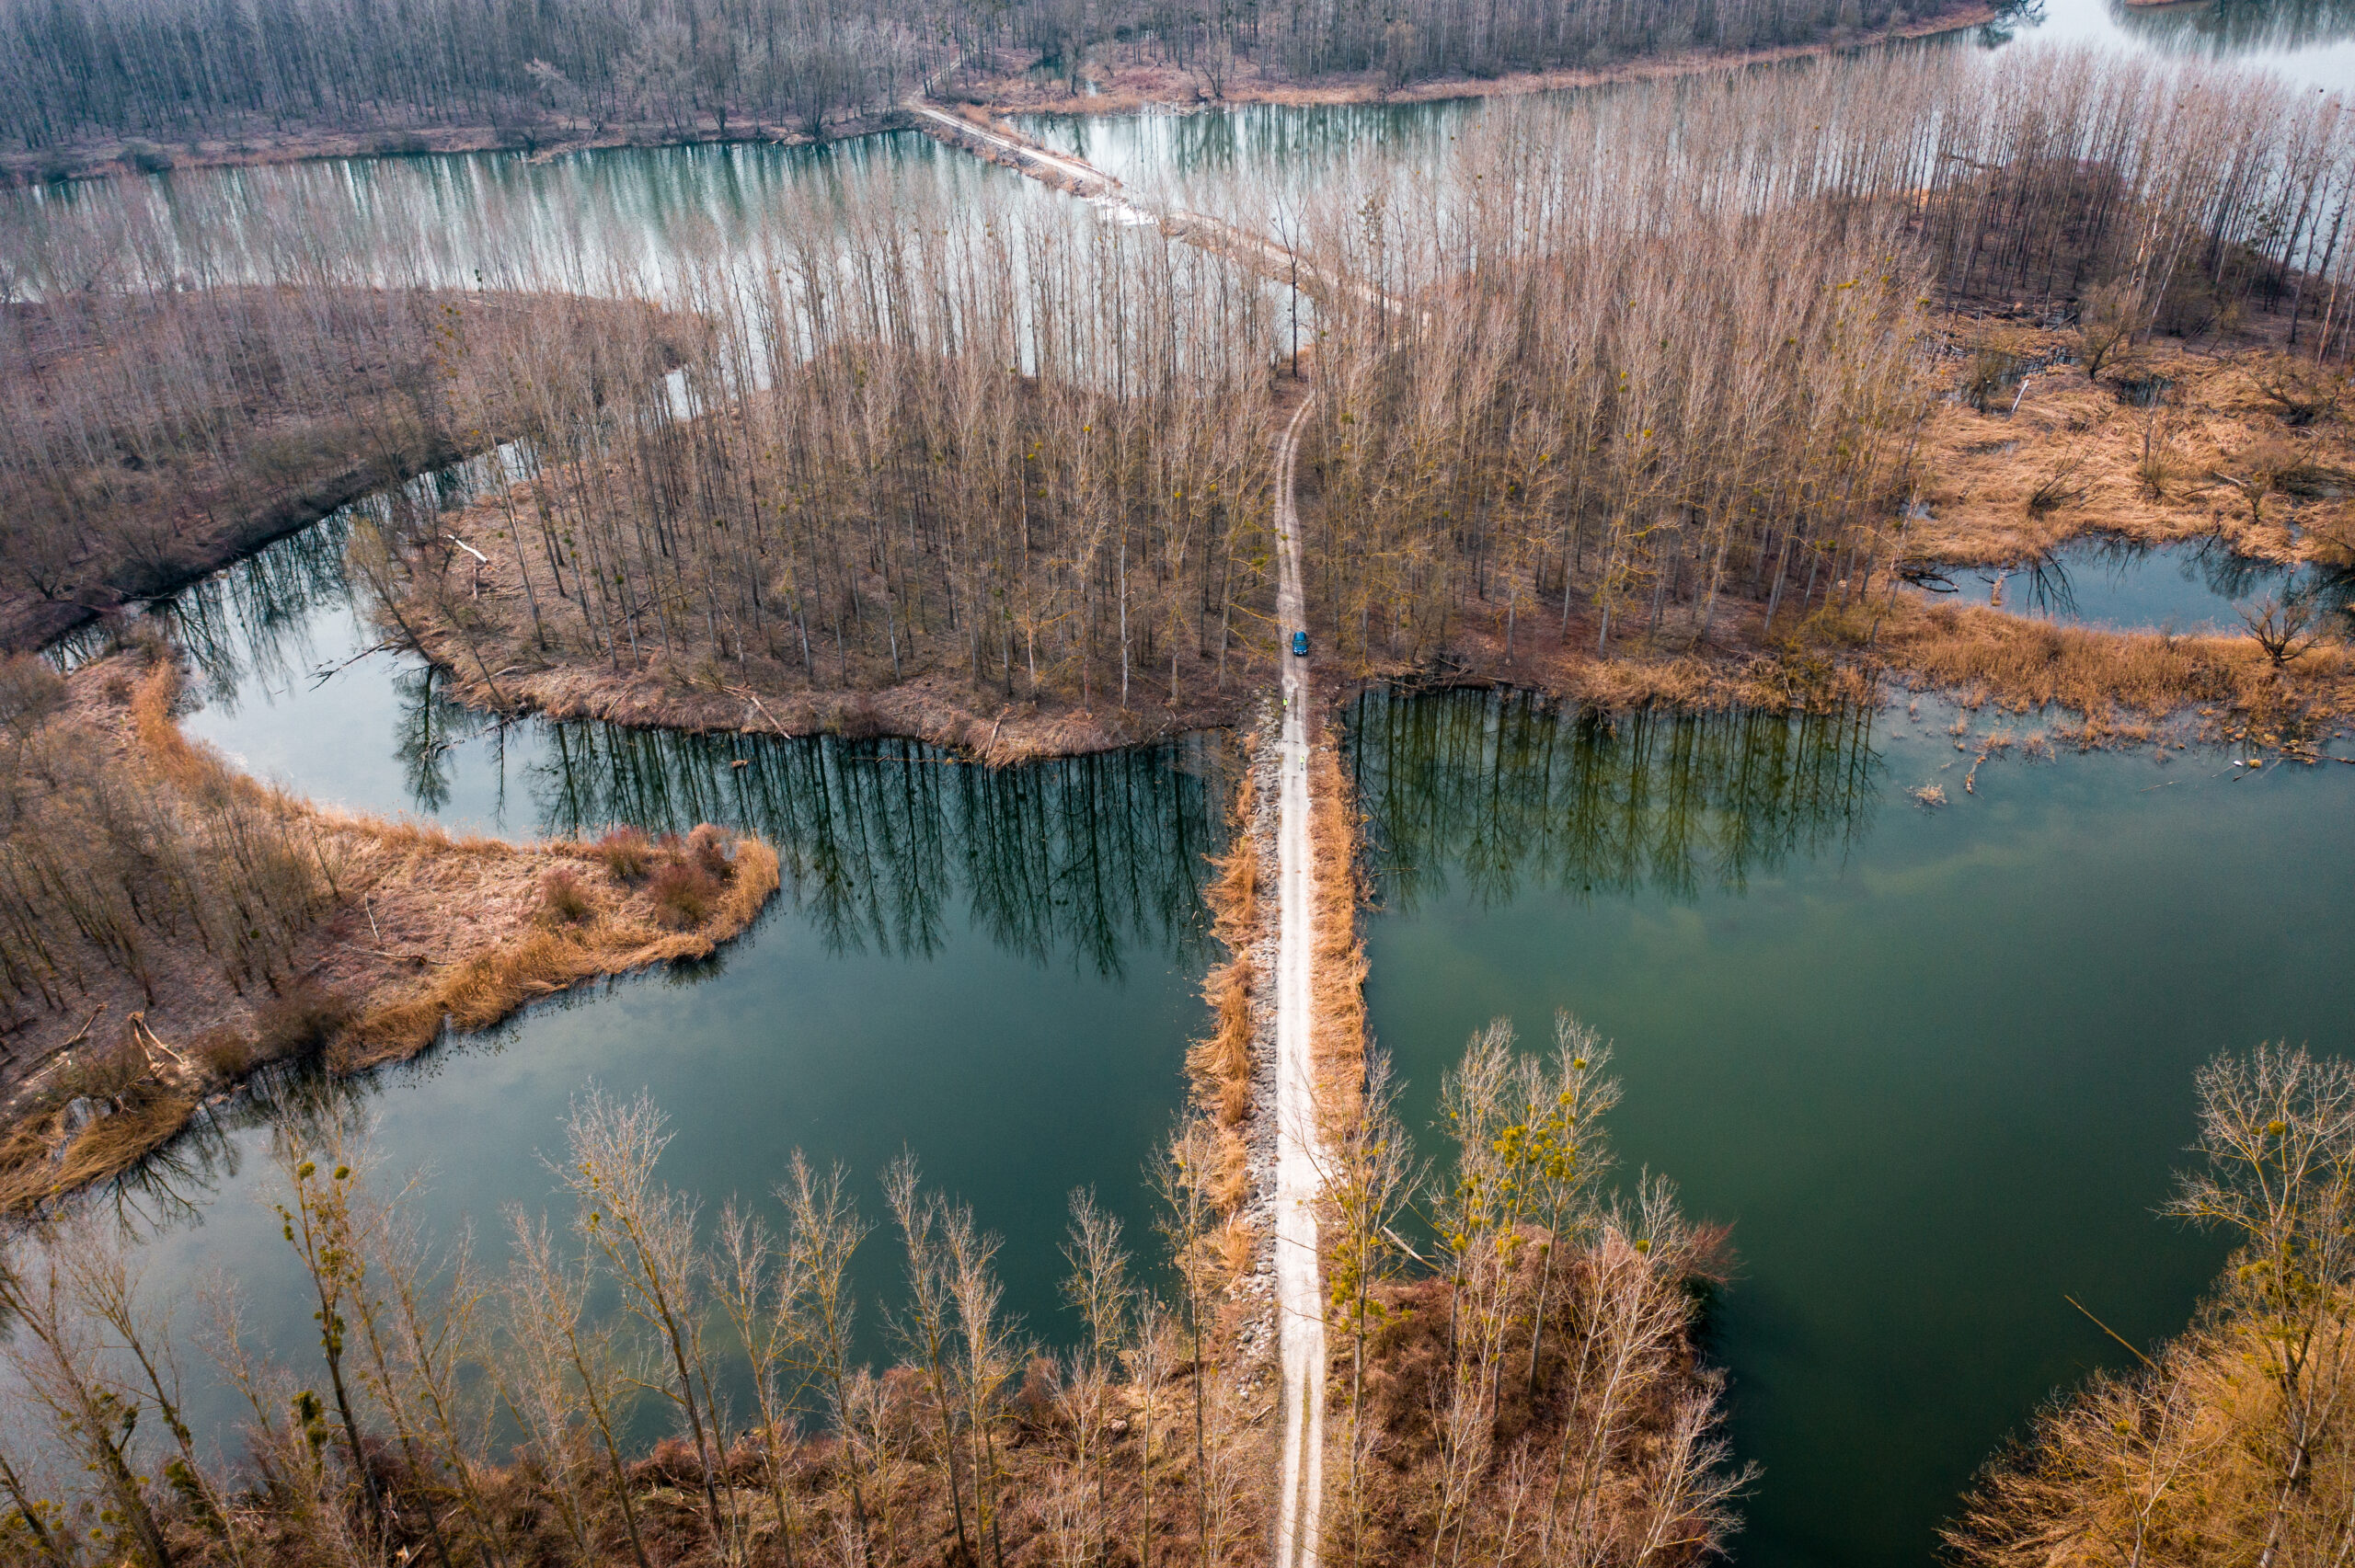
[(684, 895), (30, 692), (1992, 373), (223, 1055), (303, 1020), (146, 157), (98, 1072), (712, 852), (563, 899), (627, 854)]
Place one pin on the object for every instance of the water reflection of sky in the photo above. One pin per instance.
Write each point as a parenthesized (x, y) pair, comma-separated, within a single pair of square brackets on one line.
[(2195, 587), (1933, 1066), (2310, 41)]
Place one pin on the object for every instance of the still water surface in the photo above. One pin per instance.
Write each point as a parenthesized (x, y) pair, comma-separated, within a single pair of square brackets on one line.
[(2196, 587), (995, 969), (1933, 1067), (2309, 41)]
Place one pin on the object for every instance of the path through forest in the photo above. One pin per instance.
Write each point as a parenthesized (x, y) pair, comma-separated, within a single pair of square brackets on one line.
[(1300, 1290)]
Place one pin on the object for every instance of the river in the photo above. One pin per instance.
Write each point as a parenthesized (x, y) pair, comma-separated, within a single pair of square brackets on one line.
[(996, 970), (1932, 1065)]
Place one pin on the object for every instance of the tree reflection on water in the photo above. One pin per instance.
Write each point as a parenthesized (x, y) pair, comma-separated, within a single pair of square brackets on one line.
[(1512, 789), (880, 840)]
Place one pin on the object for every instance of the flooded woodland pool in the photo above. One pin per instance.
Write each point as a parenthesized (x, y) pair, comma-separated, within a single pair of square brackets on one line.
[(1933, 1067), (2196, 587)]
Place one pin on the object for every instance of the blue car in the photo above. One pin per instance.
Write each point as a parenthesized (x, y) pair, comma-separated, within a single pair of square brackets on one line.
[(1300, 644)]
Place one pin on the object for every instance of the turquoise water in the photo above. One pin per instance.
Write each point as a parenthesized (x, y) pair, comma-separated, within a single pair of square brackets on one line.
[(996, 970), (2197, 587), (1933, 1066)]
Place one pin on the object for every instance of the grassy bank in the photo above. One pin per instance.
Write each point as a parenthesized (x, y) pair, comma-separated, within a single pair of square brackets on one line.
[(175, 925), (2232, 1443)]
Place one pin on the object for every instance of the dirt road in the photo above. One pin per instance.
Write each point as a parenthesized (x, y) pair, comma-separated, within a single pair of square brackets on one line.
[(1299, 1291)]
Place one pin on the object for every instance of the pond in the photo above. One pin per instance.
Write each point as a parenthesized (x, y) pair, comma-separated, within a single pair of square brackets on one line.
[(996, 970), (2195, 587), (1933, 1067)]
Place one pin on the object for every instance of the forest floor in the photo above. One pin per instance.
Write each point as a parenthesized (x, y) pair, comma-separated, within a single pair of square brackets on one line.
[(156, 509), (419, 929), (472, 619), (2243, 447)]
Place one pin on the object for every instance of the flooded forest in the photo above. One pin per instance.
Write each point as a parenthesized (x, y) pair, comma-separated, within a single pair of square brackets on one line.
[(1123, 785)]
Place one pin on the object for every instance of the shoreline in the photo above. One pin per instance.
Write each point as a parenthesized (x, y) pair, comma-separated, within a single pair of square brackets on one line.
[(1367, 88), (421, 933), (125, 157), (2109, 687), (32, 626)]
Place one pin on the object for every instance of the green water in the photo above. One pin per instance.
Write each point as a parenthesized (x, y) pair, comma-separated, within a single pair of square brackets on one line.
[(1933, 1066), (997, 970)]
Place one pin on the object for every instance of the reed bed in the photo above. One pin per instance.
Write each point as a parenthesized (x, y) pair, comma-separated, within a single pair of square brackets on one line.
[(147, 988)]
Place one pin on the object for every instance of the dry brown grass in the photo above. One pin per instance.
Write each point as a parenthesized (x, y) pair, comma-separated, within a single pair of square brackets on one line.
[(2171, 1457), (1222, 1065), (430, 930), (1337, 1045), (2179, 469), (2122, 683)]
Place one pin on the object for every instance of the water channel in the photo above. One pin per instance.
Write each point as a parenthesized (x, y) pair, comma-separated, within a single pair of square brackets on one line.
[(996, 970), (1933, 1066)]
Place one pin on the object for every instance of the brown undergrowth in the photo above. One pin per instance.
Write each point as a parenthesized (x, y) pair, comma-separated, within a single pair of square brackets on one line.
[(1338, 1048), (2229, 1445), (2232, 440), (256, 411), (1223, 1066), (2243, 446), (368, 936)]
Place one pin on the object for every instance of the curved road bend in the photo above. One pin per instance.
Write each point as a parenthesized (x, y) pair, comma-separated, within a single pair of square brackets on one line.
[(1299, 1291)]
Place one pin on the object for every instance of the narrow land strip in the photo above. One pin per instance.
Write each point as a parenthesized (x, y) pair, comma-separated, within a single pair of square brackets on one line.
[(1300, 1296)]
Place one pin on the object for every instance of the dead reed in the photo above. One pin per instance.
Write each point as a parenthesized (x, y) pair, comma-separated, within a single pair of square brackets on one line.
[(1222, 1067), (354, 939)]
